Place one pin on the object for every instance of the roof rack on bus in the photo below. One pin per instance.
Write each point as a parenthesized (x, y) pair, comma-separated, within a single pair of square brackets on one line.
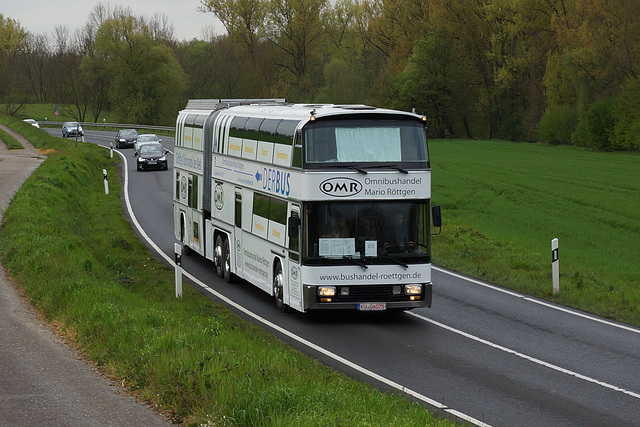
[(356, 107), (213, 104)]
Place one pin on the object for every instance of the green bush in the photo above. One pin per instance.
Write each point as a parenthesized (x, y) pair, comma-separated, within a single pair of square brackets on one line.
[(626, 134), (595, 130), (558, 124)]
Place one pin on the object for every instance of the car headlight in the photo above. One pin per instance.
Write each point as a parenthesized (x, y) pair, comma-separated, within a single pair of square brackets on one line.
[(415, 289), (122, 140), (163, 158), (141, 159)]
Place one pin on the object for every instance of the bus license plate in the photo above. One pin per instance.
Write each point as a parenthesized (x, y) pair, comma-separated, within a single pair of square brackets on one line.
[(372, 306)]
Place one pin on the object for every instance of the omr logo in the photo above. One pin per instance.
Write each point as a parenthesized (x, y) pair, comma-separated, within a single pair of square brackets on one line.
[(340, 187)]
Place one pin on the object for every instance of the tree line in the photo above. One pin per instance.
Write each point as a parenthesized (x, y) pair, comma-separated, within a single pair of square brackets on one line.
[(556, 71)]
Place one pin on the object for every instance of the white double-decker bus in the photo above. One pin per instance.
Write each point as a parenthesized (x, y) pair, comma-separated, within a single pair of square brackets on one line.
[(321, 206)]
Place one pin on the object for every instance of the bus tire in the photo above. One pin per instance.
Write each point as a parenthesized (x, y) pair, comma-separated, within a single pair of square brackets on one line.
[(226, 261), (278, 288), (218, 260), (186, 250)]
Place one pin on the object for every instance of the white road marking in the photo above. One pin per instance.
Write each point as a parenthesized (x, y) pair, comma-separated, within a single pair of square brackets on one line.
[(538, 301), (524, 356)]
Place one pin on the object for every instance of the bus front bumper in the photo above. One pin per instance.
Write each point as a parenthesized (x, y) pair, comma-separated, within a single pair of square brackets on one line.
[(367, 297)]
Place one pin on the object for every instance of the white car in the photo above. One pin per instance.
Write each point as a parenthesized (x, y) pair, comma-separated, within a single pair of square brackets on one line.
[(144, 138), (32, 122)]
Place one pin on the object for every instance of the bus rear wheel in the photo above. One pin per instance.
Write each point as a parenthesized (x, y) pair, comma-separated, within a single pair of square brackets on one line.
[(217, 256), (226, 261), (186, 249), (278, 288)]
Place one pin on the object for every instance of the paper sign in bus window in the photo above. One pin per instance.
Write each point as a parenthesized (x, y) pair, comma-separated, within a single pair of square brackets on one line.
[(371, 248), (337, 247)]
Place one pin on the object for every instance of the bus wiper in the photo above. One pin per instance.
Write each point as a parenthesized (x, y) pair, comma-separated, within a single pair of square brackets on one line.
[(354, 167), (397, 261), (358, 169), (361, 264), (398, 168)]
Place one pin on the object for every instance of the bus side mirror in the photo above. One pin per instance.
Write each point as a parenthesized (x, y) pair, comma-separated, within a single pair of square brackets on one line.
[(294, 224), (436, 218)]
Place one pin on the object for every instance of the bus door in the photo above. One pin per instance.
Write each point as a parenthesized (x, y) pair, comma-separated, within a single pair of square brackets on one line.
[(238, 232), (293, 292)]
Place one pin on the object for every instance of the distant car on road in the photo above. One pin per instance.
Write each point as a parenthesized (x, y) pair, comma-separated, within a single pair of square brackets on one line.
[(32, 122), (126, 138), (72, 129), (152, 156), (144, 138)]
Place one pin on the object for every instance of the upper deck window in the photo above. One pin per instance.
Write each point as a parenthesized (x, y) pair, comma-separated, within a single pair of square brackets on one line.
[(364, 141)]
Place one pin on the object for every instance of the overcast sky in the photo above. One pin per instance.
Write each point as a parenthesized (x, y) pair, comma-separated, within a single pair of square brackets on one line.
[(41, 16)]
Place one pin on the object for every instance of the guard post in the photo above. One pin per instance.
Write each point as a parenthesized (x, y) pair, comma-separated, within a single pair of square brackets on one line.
[(106, 183), (178, 259), (555, 267)]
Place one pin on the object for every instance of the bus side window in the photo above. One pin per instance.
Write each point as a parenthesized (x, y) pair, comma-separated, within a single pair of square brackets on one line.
[(192, 195), (177, 185), (238, 213)]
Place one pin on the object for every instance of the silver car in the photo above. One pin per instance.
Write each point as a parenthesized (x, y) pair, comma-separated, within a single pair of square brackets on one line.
[(72, 129), (144, 138)]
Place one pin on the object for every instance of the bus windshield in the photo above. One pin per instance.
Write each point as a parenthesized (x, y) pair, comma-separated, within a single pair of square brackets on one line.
[(372, 232), (365, 141)]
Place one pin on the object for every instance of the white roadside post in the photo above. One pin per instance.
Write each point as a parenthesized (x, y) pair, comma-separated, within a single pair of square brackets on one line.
[(106, 183), (111, 148), (178, 258), (555, 267)]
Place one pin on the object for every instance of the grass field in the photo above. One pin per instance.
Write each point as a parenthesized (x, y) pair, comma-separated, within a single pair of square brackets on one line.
[(503, 202), (74, 253)]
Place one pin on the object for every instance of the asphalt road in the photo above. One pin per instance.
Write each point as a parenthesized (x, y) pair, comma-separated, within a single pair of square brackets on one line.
[(485, 354)]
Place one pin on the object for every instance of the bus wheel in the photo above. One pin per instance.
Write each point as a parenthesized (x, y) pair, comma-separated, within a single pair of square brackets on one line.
[(278, 288), (186, 249), (217, 256), (226, 261)]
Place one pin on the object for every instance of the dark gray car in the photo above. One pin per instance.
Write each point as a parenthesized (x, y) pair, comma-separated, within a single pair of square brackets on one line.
[(126, 138), (152, 156)]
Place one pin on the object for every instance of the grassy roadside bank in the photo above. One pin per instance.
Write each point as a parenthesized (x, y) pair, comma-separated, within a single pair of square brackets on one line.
[(10, 142), (75, 255)]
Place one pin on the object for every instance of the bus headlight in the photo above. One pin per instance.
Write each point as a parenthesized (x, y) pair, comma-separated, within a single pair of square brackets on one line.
[(326, 291), (413, 289)]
